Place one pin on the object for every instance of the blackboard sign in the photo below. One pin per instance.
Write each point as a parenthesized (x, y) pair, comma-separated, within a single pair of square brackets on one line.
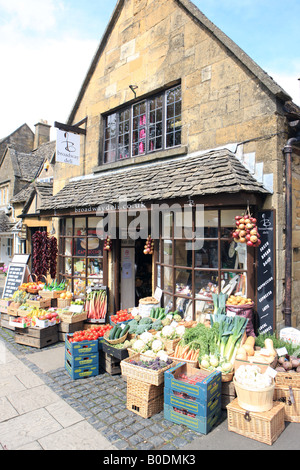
[(15, 277), (266, 272)]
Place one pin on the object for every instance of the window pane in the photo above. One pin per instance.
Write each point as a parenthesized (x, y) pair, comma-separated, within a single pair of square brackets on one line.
[(68, 266), (205, 283), (173, 116), (234, 255), (207, 255), (123, 134), (139, 126), (79, 267), (183, 256), (183, 279), (168, 279), (79, 286), (167, 252), (68, 232), (110, 142), (68, 247), (155, 124), (234, 283), (95, 270)]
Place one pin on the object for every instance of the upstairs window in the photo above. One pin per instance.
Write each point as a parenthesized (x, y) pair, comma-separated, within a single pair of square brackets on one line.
[(147, 126)]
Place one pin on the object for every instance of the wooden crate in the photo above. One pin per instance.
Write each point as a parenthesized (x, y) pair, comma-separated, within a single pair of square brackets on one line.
[(228, 394), (37, 337), (69, 317), (5, 322), (110, 364), (64, 328), (264, 427), (43, 303), (290, 396), (51, 294)]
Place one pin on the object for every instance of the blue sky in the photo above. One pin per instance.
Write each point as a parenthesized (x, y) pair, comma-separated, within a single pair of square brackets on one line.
[(48, 45)]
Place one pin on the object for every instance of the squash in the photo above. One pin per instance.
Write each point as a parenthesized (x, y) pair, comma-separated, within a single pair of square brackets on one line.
[(241, 354), (249, 349), (270, 347), (250, 340)]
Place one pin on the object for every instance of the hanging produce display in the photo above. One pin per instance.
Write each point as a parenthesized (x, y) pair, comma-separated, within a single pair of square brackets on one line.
[(44, 254), (107, 244), (149, 246), (246, 230)]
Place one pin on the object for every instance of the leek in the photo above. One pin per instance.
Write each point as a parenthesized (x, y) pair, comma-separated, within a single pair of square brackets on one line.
[(234, 340)]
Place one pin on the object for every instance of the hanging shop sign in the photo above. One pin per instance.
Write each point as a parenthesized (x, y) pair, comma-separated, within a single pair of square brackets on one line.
[(266, 272), (67, 147)]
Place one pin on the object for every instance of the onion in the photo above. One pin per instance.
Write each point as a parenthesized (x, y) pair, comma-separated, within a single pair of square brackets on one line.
[(287, 365)]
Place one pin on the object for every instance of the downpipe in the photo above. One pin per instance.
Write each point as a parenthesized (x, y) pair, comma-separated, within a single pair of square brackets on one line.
[(287, 151)]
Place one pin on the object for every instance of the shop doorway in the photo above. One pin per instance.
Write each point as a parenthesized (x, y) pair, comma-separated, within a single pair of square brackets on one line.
[(135, 273)]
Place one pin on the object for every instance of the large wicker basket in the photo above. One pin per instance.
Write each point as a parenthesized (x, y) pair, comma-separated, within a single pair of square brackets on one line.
[(254, 399), (154, 377)]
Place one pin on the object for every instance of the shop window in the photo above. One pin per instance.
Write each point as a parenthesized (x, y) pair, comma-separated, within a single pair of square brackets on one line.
[(81, 257), (190, 270), (147, 126)]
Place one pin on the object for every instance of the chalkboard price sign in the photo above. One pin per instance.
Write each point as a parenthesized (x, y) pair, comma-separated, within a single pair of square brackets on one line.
[(266, 272), (15, 277)]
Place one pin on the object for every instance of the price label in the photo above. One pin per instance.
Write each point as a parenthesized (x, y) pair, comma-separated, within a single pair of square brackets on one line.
[(76, 308), (271, 372), (281, 351)]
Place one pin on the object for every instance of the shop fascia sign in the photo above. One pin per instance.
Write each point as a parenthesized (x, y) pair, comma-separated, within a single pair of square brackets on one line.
[(68, 143)]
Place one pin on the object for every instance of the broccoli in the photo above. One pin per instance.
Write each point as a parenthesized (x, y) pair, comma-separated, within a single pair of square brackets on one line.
[(133, 324), (145, 320), (157, 325)]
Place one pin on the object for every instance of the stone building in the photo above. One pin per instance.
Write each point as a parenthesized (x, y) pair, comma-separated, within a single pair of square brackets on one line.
[(174, 112), (22, 157)]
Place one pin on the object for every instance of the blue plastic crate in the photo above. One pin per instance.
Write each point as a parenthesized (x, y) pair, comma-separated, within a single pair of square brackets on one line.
[(191, 420), (191, 404), (82, 361), (82, 347), (203, 391), (81, 372)]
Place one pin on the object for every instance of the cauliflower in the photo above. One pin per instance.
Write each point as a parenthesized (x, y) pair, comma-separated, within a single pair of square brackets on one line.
[(177, 318), (149, 353), (162, 353), (157, 345), (168, 332), (166, 321), (146, 337), (139, 346), (180, 329)]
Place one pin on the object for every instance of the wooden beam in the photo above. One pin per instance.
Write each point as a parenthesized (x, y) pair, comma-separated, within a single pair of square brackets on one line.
[(67, 128)]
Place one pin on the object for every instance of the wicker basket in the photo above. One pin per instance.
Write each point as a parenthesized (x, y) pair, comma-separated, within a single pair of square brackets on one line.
[(291, 399), (288, 379), (115, 341), (52, 294), (154, 377), (170, 344), (263, 427), (145, 408), (62, 303), (253, 399), (69, 317), (144, 390)]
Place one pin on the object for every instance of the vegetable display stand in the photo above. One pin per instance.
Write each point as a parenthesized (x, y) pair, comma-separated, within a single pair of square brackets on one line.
[(251, 399), (264, 427), (96, 304), (51, 294), (191, 405), (37, 337), (4, 304), (76, 372), (290, 397), (6, 322)]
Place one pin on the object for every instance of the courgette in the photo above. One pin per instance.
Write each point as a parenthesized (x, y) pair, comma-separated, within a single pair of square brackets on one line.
[(152, 312), (118, 332), (125, 330), (112, 332)]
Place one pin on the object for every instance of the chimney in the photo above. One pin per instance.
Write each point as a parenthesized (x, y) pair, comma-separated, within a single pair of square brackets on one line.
[(42, 133)]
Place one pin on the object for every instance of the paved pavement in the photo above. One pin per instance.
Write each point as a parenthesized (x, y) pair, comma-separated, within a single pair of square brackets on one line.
[(42, 408)]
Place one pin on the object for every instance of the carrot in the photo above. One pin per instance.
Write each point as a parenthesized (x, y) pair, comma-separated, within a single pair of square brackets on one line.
[(189, 354), (184, 352)]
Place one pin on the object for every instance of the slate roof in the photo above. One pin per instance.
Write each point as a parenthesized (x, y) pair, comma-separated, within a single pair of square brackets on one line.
[(25, 196), (214, 172), (26, 165), (4, 222)]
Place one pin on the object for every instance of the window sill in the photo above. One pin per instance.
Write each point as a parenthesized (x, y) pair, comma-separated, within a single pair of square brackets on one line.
[(151, 157)]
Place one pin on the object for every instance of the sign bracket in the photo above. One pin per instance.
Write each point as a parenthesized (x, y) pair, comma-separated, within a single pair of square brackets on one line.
[(75, 129)]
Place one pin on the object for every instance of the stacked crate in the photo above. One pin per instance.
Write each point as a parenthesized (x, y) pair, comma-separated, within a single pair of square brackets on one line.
[(82, 358), (192, 397)]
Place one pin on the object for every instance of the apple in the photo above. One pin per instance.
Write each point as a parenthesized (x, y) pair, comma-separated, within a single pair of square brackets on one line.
[(249, 243)]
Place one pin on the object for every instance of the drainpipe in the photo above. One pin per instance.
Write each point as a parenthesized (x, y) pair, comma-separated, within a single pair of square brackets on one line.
[(288, 150)]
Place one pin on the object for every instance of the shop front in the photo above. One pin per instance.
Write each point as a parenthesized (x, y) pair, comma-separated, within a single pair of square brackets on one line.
[(194, 254)]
